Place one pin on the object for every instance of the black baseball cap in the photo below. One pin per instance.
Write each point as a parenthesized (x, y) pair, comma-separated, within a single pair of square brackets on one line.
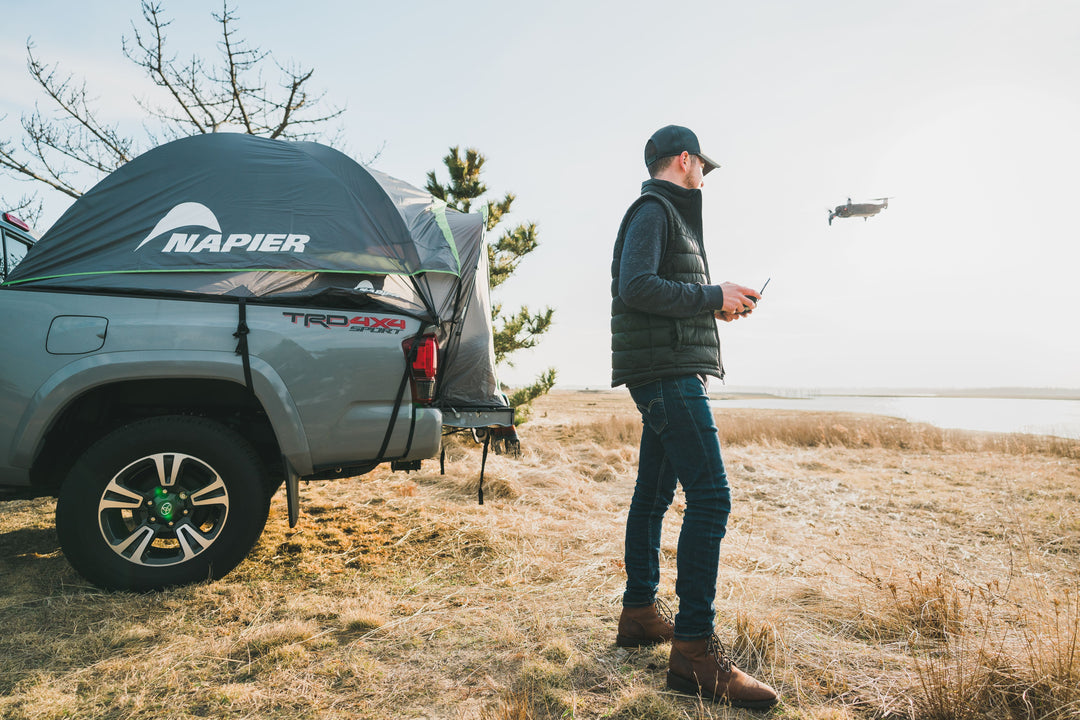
[(673, 140)]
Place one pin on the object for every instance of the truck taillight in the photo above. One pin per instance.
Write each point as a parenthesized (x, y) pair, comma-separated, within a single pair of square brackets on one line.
[(424, 352)]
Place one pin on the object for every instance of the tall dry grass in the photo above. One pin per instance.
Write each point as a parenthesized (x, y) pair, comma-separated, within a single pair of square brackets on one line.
[(1004, 649), (814, 429), (998, 662), (869, 571)]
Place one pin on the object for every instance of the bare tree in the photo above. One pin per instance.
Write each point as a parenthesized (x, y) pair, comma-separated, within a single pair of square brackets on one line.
[(69, 147)]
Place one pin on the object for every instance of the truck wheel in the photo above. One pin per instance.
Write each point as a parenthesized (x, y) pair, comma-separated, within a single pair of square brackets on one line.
[(164, 501)]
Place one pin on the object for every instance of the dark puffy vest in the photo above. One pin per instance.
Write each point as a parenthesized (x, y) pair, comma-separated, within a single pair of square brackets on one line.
[(645, 346)]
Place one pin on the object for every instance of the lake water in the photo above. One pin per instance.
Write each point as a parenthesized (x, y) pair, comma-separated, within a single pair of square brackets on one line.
[(1040, 417)]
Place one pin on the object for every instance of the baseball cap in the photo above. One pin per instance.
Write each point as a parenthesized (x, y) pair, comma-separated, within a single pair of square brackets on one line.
[(673, 140)]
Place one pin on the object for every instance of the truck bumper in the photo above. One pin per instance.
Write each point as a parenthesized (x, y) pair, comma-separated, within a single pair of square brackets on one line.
[(478, 417), (427, 435)]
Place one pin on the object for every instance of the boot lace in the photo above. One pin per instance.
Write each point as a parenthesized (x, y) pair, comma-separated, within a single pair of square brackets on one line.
[(719, 653), (664, 611)]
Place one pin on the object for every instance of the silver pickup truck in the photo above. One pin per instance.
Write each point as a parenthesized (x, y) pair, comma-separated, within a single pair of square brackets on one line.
[(164, 393)]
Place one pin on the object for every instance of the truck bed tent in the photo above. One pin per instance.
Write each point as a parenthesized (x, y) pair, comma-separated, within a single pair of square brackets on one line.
[(236, 216)]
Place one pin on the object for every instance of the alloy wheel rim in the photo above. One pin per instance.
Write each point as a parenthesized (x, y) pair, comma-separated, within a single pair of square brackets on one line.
[(163, 509)]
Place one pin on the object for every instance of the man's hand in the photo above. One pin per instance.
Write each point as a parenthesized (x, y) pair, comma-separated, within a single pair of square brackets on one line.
[(728, 317), (739, 301)]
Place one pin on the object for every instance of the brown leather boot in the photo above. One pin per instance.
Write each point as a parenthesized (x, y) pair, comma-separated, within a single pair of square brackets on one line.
[(641, 627), (701, 667)]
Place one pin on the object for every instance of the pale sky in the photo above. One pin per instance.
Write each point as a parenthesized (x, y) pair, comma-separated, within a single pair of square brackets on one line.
[(965, 112)]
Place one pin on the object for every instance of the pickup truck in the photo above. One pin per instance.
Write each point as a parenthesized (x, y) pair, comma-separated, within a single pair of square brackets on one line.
[(164, 412)]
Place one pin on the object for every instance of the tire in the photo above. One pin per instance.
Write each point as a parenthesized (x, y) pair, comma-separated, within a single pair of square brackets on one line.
[(165, 501)]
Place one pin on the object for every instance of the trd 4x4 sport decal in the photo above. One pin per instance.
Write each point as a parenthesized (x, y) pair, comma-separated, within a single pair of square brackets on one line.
[(191, 214), (356, 323)]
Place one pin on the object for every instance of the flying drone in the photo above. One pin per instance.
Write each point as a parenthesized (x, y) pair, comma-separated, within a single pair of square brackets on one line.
[(864, 210)]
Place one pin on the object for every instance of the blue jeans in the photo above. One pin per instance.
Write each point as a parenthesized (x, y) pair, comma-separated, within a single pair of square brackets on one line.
[(679, 443)]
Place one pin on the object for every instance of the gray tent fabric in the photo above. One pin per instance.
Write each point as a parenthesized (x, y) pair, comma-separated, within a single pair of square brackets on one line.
[(472, 346), (225, 202), (235, 215)]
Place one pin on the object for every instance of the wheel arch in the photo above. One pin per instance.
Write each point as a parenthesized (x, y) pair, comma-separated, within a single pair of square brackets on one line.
[(80, 405)]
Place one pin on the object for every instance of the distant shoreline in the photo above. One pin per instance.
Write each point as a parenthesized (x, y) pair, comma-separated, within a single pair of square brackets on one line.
[(1002, 393), (1051, 412)]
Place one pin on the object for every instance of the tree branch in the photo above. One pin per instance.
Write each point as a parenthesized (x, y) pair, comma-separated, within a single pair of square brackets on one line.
[(9, 161), (154, 63), (199, 97), (74, 104)]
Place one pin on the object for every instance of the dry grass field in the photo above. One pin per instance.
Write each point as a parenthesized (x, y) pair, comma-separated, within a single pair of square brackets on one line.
[(872, 569)]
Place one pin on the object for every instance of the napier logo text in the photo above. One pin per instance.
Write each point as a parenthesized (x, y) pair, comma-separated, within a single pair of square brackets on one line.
[(196, 215)]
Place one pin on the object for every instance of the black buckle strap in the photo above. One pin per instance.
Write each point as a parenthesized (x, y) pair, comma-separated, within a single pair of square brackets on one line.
[(397, 407), (241, 335), (483, 462)]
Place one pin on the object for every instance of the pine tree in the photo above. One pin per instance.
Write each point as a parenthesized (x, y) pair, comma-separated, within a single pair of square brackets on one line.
[(523, 328)]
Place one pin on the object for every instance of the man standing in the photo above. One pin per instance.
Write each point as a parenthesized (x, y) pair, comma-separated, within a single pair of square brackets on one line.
[(664, 343)]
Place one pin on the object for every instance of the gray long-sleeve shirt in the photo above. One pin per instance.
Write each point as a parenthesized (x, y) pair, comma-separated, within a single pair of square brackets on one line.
[(639, 285)]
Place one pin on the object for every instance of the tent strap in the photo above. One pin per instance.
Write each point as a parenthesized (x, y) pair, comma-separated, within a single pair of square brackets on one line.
[(483, 463), (241, 335), (397, 406)]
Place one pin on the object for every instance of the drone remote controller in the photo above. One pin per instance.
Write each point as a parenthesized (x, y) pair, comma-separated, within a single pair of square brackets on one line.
[(760, 292)]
